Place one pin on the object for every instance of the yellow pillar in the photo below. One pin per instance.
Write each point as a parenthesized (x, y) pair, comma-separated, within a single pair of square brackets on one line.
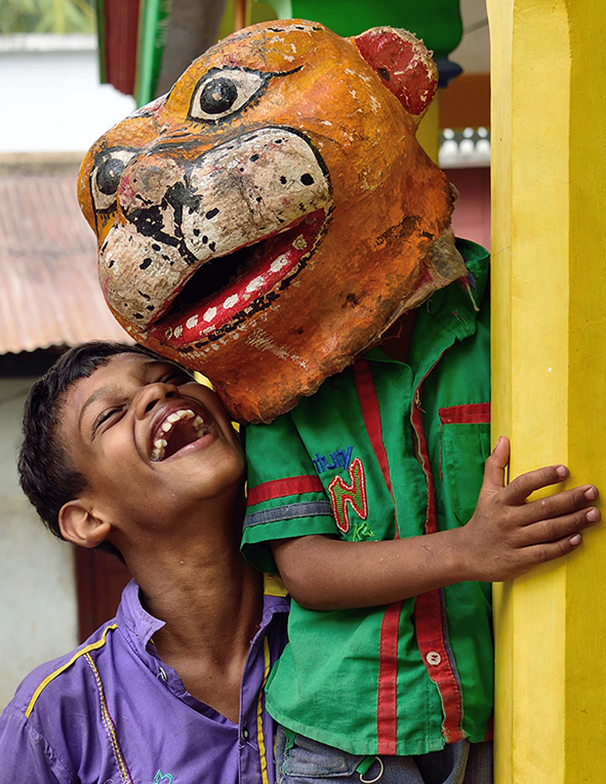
[(428, 132), (549, 371)]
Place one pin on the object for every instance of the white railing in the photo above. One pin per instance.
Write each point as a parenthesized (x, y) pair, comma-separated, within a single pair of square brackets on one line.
[(466, 148)]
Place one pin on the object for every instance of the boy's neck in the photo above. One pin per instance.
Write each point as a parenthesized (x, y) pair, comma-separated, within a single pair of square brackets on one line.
[(212, 612), (211, 600), (195, 578), (395, 342)]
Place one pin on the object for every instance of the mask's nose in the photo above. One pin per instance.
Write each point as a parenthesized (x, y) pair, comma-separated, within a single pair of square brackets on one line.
[(144, 183)]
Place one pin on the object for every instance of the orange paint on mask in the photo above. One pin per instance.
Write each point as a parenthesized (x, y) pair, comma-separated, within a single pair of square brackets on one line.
[(269, 219)]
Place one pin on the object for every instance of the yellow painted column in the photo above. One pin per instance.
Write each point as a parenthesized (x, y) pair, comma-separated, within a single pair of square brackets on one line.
[(549, 371), (428, 132)]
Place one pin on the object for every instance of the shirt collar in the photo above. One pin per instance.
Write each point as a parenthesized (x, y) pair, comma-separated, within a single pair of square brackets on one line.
[(449, 314), (135, 618)]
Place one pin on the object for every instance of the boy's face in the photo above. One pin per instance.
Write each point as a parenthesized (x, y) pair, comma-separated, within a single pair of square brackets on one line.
[(150, 441)]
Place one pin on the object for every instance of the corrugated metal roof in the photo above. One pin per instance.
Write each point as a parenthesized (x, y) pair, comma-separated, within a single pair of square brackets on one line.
[(49, 292)]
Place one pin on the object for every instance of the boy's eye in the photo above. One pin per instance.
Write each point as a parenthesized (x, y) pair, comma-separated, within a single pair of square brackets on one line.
[(104, 416)]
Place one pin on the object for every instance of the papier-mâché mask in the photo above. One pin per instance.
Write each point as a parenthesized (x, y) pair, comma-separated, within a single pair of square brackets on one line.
[(270, 217)]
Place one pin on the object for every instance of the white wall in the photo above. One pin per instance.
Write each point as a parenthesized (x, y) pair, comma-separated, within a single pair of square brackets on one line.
[(50, 94), (38, 612), (51, 102)]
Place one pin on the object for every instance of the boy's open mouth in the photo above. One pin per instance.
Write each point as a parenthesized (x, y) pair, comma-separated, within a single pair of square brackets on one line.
[(179, 429)]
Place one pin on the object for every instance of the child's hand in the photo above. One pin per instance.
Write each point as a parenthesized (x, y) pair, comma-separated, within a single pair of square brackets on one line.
[(508, 535)]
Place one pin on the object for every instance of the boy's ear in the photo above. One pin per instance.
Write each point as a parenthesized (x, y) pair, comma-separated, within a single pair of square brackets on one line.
[(80, 526)]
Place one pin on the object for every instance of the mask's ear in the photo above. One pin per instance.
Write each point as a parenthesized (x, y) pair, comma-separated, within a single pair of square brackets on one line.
[(404, 64), (80, 526)]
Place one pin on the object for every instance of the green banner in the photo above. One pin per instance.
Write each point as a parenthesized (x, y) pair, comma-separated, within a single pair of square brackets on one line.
[(153, 23)]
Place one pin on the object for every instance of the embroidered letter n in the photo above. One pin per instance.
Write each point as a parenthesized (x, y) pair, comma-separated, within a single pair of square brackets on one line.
[(343, 496)]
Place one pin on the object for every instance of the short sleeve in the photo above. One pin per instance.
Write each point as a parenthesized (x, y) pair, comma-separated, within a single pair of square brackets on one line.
[(25, 754), (286, 497)]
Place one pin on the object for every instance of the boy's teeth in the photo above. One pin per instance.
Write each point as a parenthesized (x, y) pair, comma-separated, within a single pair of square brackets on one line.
[(158, 450), (183, 414), (176, 416)]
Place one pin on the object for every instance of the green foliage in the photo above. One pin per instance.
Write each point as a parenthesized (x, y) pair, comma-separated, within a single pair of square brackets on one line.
[(47, 16)]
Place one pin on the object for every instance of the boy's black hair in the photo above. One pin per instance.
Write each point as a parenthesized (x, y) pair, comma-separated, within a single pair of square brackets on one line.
[(46, 473)]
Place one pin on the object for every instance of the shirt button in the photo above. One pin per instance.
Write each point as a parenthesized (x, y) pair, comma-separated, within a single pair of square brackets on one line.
[(244, 733), (433, 657)]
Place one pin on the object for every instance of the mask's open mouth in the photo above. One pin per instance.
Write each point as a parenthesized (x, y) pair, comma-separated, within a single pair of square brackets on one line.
[(243, 282), (178, 430)]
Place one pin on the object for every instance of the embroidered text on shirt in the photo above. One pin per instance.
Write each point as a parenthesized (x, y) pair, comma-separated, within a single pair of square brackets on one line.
[(343, 496), (338, 459)]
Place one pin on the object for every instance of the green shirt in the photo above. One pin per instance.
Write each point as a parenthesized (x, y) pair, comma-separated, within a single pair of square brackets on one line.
[(383, 450)]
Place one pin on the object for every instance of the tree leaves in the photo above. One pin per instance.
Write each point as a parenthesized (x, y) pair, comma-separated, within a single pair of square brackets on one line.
[(47, 16)]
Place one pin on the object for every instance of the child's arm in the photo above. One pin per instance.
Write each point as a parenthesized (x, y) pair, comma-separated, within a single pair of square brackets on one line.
[(505, 537)]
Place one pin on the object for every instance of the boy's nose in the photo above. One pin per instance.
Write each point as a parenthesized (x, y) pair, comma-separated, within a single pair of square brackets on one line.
[(152, 394)]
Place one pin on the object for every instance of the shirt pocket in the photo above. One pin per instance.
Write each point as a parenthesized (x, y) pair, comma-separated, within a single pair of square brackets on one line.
[(464, 447)]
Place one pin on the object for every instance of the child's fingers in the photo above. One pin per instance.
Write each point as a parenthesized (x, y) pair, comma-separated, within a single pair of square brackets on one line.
[(556, 529), (549, 551), (524, 485), (495, 466), (559, 504)]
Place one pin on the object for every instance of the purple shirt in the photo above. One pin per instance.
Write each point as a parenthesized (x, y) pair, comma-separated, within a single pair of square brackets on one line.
[(113, 711)]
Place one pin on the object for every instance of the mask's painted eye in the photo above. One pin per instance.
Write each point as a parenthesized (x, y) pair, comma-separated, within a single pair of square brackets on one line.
[(105, 176), (221, 93)]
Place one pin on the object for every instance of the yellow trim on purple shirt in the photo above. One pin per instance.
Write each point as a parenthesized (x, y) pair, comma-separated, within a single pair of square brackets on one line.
[(92, 647)]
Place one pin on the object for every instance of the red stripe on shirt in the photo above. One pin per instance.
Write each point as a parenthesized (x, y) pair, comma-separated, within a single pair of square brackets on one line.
[(387, 687), (428, 608), (387, 698), (471, 413), (431, 519), (430, 639), (369, 403), (279, 488)]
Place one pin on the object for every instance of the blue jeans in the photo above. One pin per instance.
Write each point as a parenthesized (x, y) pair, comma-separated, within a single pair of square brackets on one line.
[(305, 761)]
